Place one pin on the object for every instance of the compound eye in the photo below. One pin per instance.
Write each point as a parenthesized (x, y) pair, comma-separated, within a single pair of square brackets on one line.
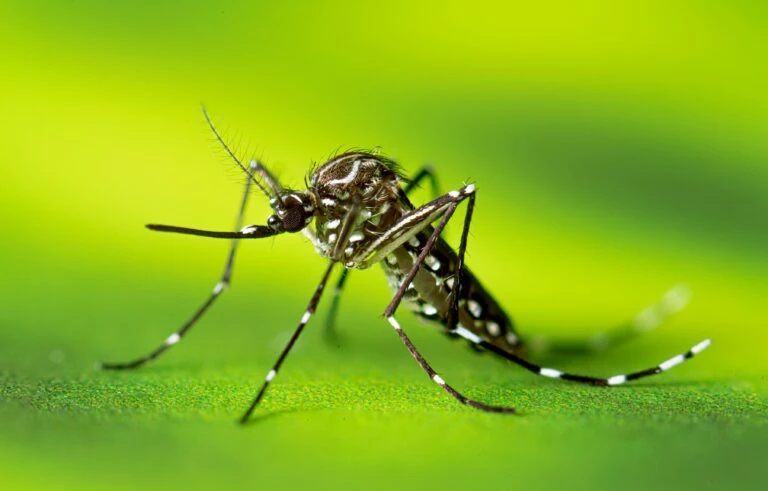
[(294, 218)]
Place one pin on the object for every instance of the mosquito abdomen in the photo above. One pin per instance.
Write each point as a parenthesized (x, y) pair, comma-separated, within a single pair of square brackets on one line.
[(428, 296)]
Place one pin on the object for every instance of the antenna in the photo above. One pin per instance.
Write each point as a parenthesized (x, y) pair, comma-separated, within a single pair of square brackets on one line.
[(231, 154)]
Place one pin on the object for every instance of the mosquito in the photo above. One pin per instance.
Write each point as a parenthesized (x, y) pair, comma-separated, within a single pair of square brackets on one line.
[(362, 216)]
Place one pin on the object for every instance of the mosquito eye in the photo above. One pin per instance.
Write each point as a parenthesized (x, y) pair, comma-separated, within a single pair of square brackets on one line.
[(293, 220)]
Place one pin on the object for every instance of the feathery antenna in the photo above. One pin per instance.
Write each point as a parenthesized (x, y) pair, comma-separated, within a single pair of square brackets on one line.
[(231, 154)]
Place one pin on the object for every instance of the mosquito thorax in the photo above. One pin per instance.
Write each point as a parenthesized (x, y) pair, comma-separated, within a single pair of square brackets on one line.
[(293, 211), (354, 179)]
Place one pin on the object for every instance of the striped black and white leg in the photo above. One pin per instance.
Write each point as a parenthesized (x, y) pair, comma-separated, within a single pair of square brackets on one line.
[(389, 313), (221, 285), (438, 379), (648, 319), (453, 310), (304, 319), (344, 232), (554, 373), (426, 172), (672, 302)]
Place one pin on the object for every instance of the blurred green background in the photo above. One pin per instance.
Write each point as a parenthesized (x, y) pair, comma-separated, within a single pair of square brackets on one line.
[(618, 148)]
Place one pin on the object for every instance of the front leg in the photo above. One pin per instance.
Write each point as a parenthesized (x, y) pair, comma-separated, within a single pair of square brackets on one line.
[(408, 226), (218, 289)]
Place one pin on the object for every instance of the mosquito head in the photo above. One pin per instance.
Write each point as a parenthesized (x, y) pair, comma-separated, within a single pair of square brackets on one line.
[(293, 211)]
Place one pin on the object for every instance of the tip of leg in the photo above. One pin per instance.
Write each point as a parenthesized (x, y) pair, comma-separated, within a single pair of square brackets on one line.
[(102, 365), (491, 409)]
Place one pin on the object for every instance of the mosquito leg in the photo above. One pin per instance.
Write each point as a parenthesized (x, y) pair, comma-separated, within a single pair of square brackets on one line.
[(344, 232), (438, 379), (646, 320), (670, 305), (389, 313), (426, 172), (453, 309), (222, 284), (330, 320), (304, 319), (615, 380)]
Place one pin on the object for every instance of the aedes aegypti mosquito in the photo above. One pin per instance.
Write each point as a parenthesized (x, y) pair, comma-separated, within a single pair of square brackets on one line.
[(359, 203)]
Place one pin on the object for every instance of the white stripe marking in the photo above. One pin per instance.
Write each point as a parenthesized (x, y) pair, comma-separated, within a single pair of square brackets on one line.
[(417, 215), (349, 177), (467, 334), (701, 346), (432, 262), (617, 380), (474, 309), (172, 339), (672, 362), (437, 378), (469, 189), (550, 372), (454, 194), (333, 224), (271, 375), (295, 197), (218, 288), (394, 323), (493, 328), (428, 309), (512, 338), (305, 317)]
